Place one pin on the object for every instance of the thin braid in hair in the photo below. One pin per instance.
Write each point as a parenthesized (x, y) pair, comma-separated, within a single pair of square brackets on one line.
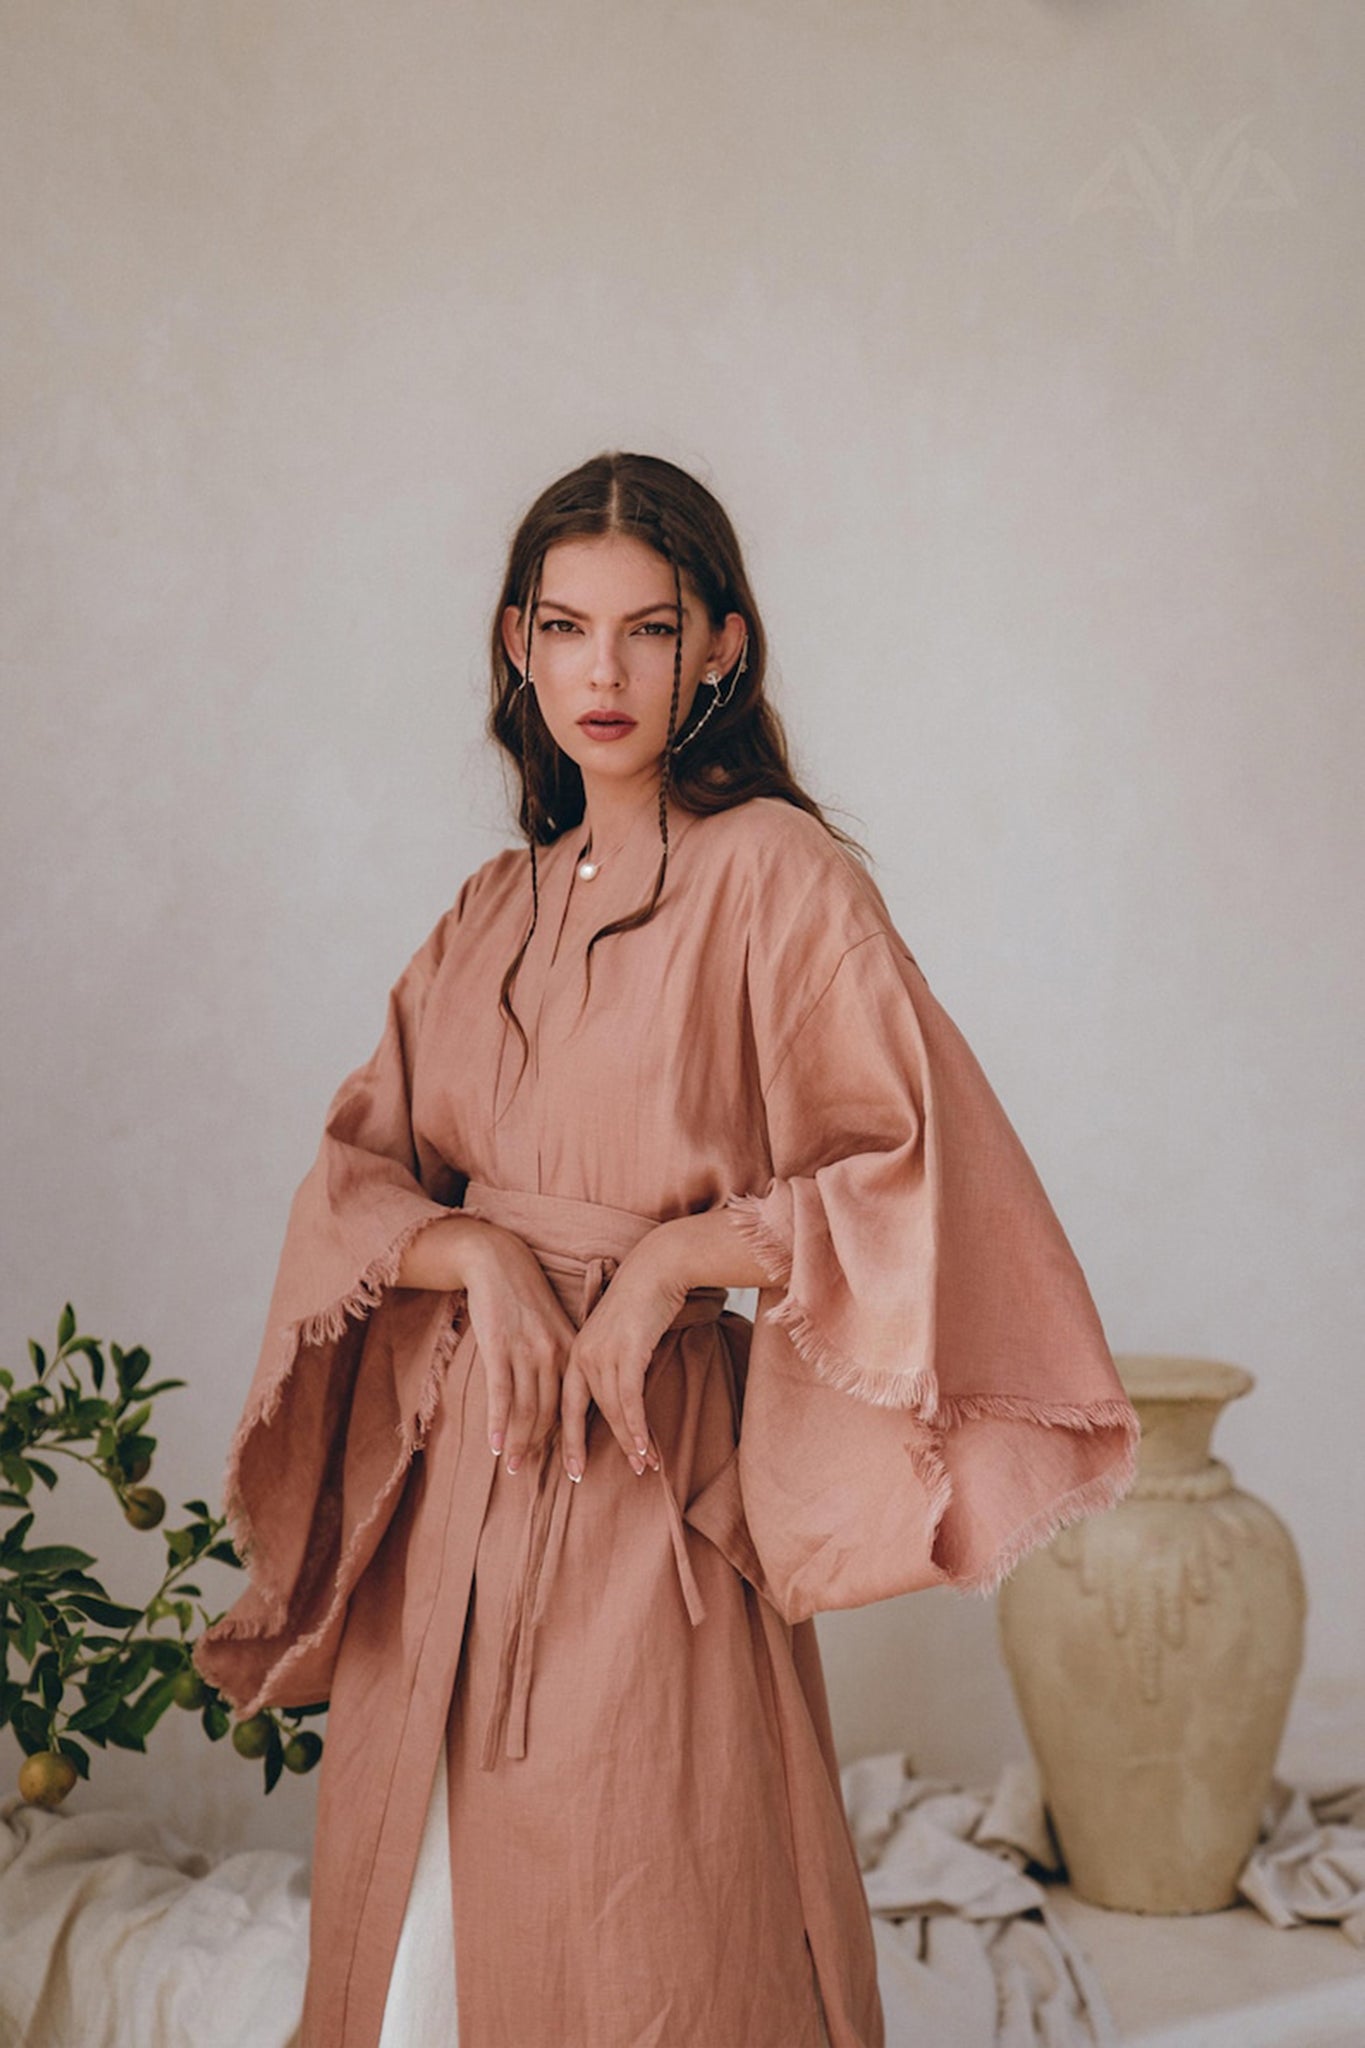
[(529, 821)]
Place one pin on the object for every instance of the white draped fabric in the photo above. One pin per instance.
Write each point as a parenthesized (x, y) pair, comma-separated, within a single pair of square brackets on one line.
[(115, 1930)]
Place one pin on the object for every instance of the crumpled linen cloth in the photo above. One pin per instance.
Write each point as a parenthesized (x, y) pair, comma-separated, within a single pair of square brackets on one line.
[(1310, 1861), (116, 1933), (968, 1949)]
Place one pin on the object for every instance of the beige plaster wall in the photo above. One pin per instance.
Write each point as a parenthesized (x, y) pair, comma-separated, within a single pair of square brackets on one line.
[(1023, 341)]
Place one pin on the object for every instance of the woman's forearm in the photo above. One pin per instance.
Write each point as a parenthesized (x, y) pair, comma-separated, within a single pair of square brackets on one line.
[(705, 1250), (440, 1255)]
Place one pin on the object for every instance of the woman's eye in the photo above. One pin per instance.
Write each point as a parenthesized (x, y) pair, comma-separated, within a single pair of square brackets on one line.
[(658, 627)]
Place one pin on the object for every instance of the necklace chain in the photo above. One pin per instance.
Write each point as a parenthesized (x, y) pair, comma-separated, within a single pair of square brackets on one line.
[(587, 867)]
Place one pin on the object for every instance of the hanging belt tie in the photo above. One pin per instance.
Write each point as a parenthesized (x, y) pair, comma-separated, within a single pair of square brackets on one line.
[(542, 1545)]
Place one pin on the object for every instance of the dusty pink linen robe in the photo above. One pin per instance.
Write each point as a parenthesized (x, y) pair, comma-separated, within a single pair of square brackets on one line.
[(648, 1848)]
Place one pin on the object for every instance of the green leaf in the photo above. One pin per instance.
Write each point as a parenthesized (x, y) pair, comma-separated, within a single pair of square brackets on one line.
[(197, 1507), (30, 1627), (123, 1735), (225, 1552), (162, 1386), (109, 1613), (79, 1756), (6, 1377), (14, 1536), (131, 1366), (33, 1726), (38, 1356), (274, 1757), (71, 1649), (180, 1544), (146, 1710), (134, 1447), (141, 1662), (67, 1583), (189, 1591), (98, 1712), (52, 1557), (26, 1398), (10, 1695), (46, 1675), (216, 1720), (10, 1499), (44, 1471), (131, 1423), (66, 1327), (16, 1471)]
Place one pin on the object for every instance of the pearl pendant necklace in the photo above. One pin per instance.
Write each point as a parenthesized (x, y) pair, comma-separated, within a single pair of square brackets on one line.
[(588, 867)]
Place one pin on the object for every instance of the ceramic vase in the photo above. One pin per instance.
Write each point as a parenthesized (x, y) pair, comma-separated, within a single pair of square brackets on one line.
[(1153, 1651)]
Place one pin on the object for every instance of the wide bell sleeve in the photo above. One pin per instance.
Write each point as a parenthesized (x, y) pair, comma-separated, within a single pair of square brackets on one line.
[(347, 1378), (929, 1390)]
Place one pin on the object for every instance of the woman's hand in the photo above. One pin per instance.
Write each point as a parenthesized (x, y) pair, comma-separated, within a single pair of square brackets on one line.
[(524, 1335), (611, 1353)]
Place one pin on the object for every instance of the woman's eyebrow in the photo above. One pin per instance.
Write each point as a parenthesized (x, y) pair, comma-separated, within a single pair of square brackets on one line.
[(548, 604)]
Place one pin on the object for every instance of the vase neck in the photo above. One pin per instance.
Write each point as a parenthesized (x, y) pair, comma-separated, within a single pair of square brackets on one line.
[(1176, 1439)]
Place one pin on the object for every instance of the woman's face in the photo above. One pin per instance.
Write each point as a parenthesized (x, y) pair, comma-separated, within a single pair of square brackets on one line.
[(602, 653)]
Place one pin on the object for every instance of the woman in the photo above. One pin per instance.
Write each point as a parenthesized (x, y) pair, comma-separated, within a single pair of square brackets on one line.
[(543, 1521)]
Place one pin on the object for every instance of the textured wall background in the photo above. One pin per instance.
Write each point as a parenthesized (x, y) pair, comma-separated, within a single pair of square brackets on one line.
[(1022, 340)]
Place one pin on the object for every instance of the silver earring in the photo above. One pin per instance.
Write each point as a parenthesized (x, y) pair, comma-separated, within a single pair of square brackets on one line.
[(717, 700)]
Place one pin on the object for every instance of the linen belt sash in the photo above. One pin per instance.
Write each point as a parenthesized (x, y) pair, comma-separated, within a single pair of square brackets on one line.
[(579, 1245)]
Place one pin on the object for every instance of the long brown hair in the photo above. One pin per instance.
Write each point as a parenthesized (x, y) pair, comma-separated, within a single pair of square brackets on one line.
[(742, 751)]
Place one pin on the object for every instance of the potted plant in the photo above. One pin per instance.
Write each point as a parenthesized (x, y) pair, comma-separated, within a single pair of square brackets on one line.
[(79, 1668)]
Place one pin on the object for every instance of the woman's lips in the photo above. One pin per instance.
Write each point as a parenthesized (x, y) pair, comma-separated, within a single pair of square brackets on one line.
[(602, 726)]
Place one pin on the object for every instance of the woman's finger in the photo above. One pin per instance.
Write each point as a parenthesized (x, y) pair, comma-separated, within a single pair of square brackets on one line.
[(499, 1383), (609, 1382), (521, 1425), (547, 1418), (631, 1397), (574, 1400)]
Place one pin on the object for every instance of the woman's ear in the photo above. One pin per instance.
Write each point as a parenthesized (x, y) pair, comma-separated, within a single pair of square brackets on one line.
[(728, 643), (513, 639)]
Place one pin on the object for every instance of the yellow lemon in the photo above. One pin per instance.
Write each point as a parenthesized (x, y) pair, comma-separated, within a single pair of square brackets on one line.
[(46, 1778)]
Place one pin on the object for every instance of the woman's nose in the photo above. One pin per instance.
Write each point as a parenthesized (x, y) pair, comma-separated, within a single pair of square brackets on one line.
[(606, 670)]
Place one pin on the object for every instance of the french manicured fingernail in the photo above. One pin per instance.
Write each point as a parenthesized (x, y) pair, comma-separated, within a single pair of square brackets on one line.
[(574, 1470), (637, 1466), (513, 1462), (496, 1441), (642, 1446)]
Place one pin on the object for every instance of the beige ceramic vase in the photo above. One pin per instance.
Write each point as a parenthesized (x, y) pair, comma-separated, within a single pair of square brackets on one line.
[(1153, 1652)]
